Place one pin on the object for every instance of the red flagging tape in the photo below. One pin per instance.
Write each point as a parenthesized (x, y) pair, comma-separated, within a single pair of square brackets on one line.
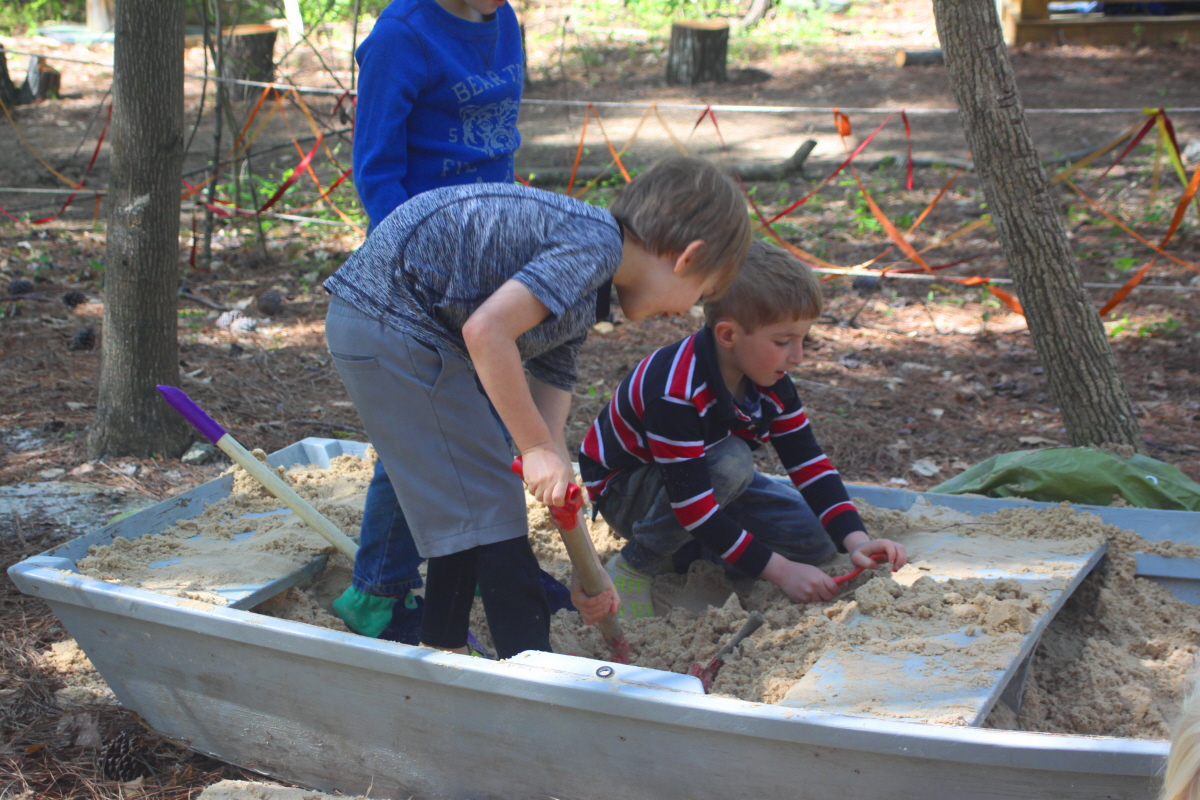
[(88, 171), (832, 175)]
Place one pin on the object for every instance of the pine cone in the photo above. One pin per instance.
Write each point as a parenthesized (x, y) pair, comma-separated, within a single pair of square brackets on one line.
[(72, 299), (84, 339), (20, 286), (121, 759), (270, 302)]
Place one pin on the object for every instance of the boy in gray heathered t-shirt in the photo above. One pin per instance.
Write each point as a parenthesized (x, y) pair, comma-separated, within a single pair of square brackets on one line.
[(454, 296)]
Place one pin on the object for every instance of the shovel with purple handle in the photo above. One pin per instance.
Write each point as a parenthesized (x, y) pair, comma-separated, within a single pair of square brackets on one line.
[(207, 426)]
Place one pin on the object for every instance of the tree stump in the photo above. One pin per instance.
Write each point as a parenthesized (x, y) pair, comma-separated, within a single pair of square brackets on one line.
[(697, 52), (249, 56), (42, 82), (8, 91)]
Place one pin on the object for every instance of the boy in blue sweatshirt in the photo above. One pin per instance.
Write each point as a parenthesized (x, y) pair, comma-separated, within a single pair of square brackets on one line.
[(439, 315), (438, 96), (668, 462)]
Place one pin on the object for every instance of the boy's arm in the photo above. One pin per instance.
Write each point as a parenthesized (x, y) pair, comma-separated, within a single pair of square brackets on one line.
[(491, 335), (814, 475), (809, 469), (392, 71), (554, 405)]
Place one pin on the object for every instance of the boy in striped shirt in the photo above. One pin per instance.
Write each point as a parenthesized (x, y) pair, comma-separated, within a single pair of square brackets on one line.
[(669, 462)]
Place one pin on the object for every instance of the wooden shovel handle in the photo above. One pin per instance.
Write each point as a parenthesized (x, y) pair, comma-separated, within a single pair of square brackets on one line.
[(752, 623), (575, 538)]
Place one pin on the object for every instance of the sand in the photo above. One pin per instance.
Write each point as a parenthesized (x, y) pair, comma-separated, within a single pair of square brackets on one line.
[(1115, 661), (255, 790), (246, 539)]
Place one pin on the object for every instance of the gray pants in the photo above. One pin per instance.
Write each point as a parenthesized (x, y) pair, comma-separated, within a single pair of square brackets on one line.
[(637, 507), (433, 428)]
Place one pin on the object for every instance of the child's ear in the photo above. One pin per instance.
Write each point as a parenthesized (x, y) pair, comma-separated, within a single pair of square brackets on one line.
[(723, 332), (687, 258)]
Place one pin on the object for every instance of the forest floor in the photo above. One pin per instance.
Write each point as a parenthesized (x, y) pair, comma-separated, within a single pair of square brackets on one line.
[(906, 385)]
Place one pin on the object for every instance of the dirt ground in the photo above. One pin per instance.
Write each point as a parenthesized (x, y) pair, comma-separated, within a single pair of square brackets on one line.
[(914, 372)]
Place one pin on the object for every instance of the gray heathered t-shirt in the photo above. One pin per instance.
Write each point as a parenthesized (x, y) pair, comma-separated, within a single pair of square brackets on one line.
[(435, 259)]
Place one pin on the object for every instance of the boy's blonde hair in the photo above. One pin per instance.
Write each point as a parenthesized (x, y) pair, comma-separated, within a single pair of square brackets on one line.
[(773, 286), (682, 199), (1181, 781)]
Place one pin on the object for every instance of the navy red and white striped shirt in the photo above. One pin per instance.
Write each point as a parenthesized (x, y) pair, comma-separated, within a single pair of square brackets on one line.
[(672, 408)]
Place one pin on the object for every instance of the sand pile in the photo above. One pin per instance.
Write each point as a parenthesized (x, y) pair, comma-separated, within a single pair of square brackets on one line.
[(245, 539), (1115, 661), (878, 612)]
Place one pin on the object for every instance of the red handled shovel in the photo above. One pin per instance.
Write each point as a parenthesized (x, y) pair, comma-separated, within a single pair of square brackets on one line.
[(707, 673), (573, 529)]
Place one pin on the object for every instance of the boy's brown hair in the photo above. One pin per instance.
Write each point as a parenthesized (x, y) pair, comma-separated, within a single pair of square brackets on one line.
[(679, 200), (773, 286)]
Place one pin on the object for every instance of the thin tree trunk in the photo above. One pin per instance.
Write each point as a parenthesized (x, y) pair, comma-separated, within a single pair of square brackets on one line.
[(142, 253), (1063, 322), (217, 51)]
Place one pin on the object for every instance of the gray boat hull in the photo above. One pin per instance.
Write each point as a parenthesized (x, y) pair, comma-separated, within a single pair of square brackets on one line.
[(336, 711)]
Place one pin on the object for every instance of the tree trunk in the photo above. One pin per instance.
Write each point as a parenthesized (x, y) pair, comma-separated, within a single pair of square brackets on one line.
[(697, 51), (1063, 322), (758, 10), (141, 259), (99, 16)]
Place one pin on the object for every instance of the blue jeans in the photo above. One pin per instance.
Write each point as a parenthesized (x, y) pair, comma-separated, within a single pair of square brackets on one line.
[(636, 507), (387, 558)]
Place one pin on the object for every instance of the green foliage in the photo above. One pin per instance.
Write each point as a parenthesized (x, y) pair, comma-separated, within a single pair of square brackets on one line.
[(1118, 327), (1125, 264), (19, 16), (1160, 327)]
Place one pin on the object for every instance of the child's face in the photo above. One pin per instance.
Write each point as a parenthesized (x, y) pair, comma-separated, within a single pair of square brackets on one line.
[(471, 9), (485, 7), (664, 293), (767, 354)]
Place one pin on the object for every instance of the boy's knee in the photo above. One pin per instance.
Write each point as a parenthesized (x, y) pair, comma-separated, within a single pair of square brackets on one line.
[(731, 469)]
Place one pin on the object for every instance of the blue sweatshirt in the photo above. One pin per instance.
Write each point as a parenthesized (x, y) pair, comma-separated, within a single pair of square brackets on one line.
[(437, 103)]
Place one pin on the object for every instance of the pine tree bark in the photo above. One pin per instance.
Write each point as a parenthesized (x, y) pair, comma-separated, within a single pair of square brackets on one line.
[(1063, 322), (142, 253)]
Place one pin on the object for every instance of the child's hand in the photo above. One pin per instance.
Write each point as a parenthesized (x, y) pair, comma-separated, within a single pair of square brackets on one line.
[(595, 608), (861, 555), (548, 473), (801, 582)]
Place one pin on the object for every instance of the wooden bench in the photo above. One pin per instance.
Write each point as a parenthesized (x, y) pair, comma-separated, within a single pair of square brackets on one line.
[(1028, 21)]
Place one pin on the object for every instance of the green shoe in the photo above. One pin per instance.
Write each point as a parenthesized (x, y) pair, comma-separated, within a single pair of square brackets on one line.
[(633, 587), (366, 614)]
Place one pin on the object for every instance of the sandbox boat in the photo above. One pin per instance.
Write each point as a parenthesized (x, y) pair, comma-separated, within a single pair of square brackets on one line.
[(340, 712)]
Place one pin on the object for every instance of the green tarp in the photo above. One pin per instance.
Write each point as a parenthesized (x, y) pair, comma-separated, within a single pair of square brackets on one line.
[(1078, 475)]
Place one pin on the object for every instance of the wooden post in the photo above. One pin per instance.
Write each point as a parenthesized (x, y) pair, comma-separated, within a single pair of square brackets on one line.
[(697, 51), (249, 56)]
